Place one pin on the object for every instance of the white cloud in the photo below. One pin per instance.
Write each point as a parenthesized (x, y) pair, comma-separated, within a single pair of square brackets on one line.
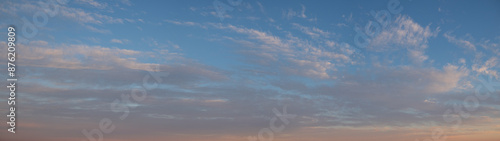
[(39, 54), (261, 7), (404, 33), (313, 32), (127, 2), (301, 56), (291, 13), (446, 80), (93, 29), (84, 17), (315, 69), (80, 57), (460, 42), (412, 80), (185, 23), (431, 101), (303, 12), (462, 61), (491, 45), (123, 41), (488, 67), (417, 56), (39, 43), (94, 3), (213, 13)]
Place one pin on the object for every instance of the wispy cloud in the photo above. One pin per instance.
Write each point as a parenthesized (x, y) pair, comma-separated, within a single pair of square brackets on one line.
[(94, 3), (313, 32), (123, 41), (404, 33), (291, 13), (225, 77), (459, 42)]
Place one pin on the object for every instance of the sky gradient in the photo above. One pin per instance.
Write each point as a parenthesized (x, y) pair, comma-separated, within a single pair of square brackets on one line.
[(254, 70)]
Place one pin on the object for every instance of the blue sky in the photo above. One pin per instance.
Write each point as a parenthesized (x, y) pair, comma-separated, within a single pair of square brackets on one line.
[(226, 74)]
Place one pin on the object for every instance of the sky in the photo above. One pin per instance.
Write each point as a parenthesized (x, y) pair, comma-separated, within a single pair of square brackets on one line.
[(244, 70)]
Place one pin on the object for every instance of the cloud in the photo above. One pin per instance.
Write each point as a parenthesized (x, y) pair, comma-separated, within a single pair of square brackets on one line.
[(213, 13), (391, 96), (460, 42), (84, 17), (16, 9), (80, 57), (291, 13), (185, 23), (404, 33), (84, 64), (303, 12), (313, 32), (406, 80), (261, 7), (80, 16), (68, 86), (123, 41), (126, 2), (94, 29), (300, 56), (417, 56), (77, 57), (38, 43), (491, 45), (94, 3), (488, 67), (312, 61), (347, 18)]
